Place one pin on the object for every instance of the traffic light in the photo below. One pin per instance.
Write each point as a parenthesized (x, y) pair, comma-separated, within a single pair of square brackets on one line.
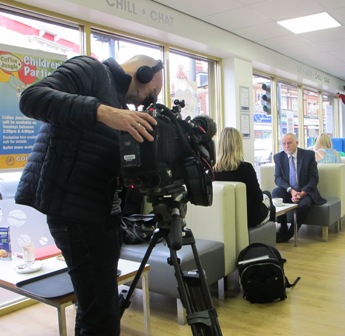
[(266, 98)]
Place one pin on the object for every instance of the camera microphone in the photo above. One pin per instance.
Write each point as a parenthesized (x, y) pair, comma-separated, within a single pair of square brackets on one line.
[(208, 126)]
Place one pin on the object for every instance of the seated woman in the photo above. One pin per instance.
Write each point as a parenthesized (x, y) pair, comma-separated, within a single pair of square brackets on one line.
[(230, 166), (324, 152)]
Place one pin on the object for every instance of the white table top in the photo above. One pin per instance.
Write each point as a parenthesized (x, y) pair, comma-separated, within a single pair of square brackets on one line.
[(284, 208), (9, 277), (128, 270)]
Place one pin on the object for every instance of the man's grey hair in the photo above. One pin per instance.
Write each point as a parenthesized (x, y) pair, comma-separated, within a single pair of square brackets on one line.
[(291, 134)]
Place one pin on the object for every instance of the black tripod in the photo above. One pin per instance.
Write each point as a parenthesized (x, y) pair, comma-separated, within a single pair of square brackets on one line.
[(192, 286)]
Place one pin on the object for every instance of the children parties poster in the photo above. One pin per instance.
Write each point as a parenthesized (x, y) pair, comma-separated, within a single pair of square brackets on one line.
[(19, 68)]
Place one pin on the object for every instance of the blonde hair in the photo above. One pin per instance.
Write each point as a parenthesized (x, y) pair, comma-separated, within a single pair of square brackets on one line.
[(323, 141), (229, 150)]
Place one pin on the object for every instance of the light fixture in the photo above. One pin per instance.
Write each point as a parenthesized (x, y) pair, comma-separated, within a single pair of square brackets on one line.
[(310, 23)]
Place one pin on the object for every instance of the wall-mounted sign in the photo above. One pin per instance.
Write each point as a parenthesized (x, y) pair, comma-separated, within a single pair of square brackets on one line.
[(262, 118), (245, 125), (244, 98)]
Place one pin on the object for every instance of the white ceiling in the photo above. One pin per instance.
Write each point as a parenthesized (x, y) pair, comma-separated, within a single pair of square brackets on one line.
[(256, 20)]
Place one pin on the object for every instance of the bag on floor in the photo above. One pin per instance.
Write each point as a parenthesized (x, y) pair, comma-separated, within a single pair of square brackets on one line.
[(138, 228), (261, 272)]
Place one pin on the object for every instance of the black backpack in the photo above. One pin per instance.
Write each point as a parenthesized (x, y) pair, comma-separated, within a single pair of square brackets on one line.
[(261, 272)]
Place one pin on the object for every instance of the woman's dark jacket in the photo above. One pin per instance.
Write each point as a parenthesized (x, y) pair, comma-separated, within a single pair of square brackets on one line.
[(73, 168), (256, 210)]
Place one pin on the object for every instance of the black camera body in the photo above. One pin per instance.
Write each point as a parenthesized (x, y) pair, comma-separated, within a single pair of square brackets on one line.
[(179, 156)]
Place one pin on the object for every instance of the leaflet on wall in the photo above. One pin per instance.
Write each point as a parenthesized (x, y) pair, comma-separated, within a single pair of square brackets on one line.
[(19, 68), (245, 125), (244, 98)]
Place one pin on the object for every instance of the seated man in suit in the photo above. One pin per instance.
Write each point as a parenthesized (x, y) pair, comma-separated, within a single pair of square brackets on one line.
[(296, 177)]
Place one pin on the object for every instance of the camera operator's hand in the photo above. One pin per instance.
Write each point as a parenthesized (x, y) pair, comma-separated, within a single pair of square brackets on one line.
[(135, 123)]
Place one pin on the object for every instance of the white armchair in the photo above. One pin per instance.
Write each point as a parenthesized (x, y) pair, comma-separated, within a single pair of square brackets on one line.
[(224, 221)]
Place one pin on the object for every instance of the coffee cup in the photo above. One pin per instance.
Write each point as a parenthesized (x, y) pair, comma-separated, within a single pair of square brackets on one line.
[(277, 202)]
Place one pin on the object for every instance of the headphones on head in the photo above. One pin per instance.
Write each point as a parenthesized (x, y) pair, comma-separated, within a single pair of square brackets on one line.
[(145, 73)]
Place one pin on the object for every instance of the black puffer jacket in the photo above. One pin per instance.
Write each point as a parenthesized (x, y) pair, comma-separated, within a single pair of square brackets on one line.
[(73, 168)]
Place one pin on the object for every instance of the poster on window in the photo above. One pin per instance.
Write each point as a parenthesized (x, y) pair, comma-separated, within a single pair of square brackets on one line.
[(19, 68)]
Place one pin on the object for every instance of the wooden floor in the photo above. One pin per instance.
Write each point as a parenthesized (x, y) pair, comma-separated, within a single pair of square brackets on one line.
[(315, 307)]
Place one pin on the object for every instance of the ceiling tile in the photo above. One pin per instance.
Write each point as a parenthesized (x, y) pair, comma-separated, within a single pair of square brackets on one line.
[(201, 8), (262, 32), (237, 18)]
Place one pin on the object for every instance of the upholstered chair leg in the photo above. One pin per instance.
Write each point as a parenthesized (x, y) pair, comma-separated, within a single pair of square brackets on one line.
[(325, 233), (181, 312)]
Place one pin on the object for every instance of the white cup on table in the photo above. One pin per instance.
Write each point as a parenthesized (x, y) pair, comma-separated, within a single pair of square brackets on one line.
[(277, 201), (28, 249)]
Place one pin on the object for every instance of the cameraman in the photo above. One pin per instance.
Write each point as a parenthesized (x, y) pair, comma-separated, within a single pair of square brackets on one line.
[(72, 173)]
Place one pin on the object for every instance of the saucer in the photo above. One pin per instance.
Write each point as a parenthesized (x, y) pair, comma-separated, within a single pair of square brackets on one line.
[(23, 268), (60, 257)]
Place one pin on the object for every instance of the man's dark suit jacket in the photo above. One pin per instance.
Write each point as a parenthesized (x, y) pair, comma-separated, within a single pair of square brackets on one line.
[(307, 173)]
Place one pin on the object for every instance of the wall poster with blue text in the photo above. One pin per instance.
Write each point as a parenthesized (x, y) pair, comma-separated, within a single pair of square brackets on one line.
[(19, 68)]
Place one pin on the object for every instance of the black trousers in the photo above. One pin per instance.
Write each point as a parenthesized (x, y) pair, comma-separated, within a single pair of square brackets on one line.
[(303, 206), (92, 253)]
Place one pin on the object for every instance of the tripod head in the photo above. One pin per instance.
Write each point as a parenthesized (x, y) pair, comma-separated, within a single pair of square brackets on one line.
[(169, 212)]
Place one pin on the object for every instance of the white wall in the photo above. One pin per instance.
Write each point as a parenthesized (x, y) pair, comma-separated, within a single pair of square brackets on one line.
[(238, 73)]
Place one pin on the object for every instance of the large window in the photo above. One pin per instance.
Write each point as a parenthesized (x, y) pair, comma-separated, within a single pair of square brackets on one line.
[(290, 106), (327, 116), (30, 49), (192, 78), (190, 81), (318, 116), (311, 114), (263, 136), (104, 45), (42, 37), (287, 108), (40, 34)]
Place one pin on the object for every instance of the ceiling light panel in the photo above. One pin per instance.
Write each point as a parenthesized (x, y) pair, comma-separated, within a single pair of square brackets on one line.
[(310, 23)]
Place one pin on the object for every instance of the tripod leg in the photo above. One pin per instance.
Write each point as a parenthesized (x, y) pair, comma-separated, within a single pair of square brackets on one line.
[(124, 297), (195, 295), (192, 286)]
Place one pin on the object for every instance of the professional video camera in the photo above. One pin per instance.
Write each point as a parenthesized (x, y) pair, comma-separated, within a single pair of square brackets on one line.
[(182, 154)]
